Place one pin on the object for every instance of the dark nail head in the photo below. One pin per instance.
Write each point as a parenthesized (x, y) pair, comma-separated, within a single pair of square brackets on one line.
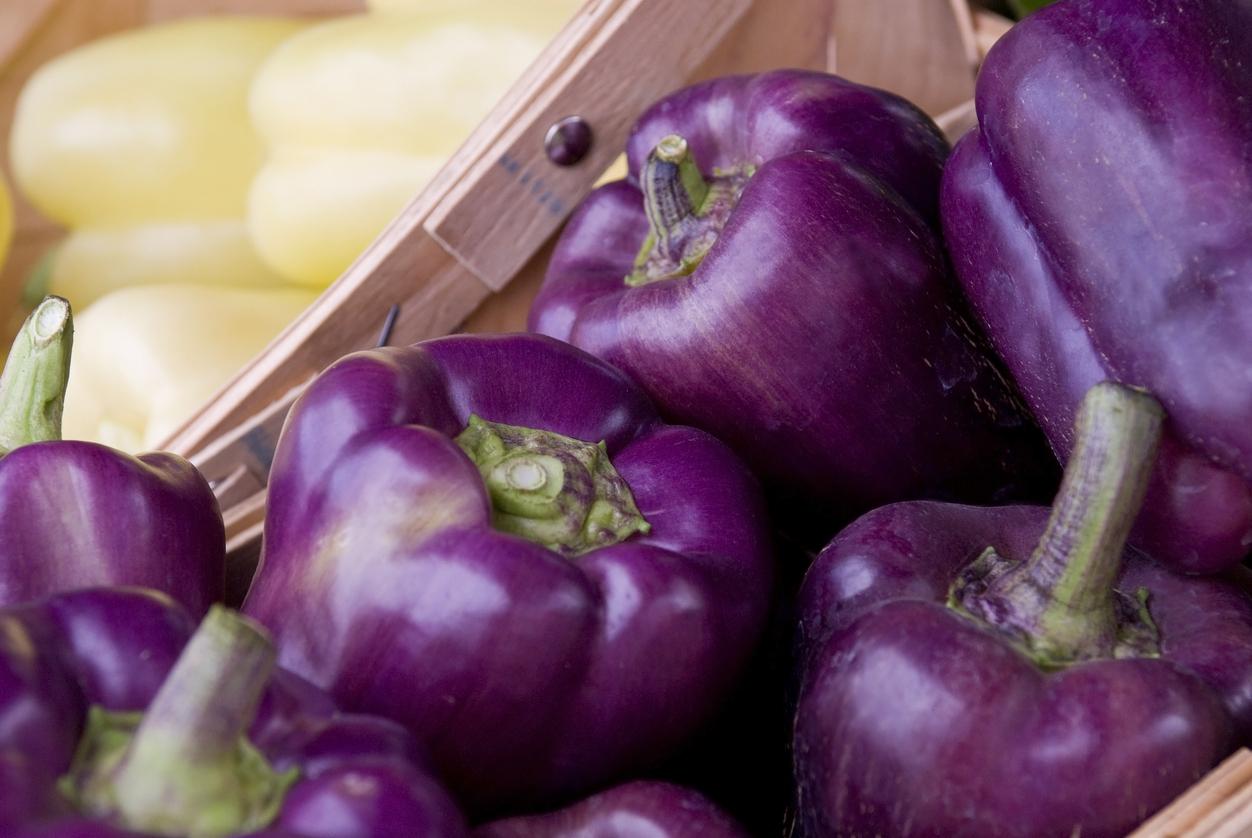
[(568, 141)]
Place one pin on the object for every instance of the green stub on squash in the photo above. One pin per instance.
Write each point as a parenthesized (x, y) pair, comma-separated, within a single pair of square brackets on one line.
[(554, 490), (32, 385)]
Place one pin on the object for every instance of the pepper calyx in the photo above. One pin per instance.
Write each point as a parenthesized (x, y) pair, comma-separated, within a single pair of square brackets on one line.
[(685, 211), (554, 490), (1061, 606)]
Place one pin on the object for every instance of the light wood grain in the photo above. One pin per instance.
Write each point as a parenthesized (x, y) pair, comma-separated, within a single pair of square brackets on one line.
[(956, 121), (1220, 804), (19, 21), (924, 50), (772, 34), (989, 28), (506, 310), (243, 519), (237, 464)]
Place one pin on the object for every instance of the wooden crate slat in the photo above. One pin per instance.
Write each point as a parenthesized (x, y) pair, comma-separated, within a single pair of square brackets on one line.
[(956, 121), (513, 194), (1237, 823), (1220, 795), (988, 27), (245, 517), (19, 23), (237, 464), (771, 34), (921, 49)]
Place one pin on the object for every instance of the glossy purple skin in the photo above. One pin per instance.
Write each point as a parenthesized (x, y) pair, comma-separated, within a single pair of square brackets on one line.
[(114, 647), (370, 799), (528, 676), (1100, 221), (822, 337), (913, 721), (637, 809), (78, 514)]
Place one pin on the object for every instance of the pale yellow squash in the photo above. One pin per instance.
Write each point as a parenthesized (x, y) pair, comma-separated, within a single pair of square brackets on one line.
[(359, 112), (146, 357)]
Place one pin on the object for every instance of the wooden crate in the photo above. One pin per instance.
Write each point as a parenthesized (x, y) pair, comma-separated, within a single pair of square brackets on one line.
[(468, 252)]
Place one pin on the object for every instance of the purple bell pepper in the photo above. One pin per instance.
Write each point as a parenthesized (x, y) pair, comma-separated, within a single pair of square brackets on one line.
[(76, 514), (494, 540), (1100, 222), (119, 717), (1017, 671), (770, 271), (637, 809)]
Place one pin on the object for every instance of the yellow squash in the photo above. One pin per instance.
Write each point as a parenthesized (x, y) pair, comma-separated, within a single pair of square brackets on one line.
[(359, 112), (148, 356), (140, 143)]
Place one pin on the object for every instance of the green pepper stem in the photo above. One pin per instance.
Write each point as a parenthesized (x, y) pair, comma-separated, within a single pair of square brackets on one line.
[(186, 768), (1079, 555), (685, 211), (673, 190), (32, 386), (1061, 602), (210, 696)]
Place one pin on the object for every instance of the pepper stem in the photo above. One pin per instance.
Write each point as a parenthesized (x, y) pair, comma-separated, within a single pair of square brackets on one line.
[(1060, 605), (32, 386), (673, 188), (185, 766), (685, 211)]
